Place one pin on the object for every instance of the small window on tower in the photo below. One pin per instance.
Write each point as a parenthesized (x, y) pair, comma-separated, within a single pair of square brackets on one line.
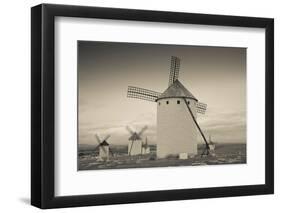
[(188, 102), (167, 102), (159, 103), (178, 101)]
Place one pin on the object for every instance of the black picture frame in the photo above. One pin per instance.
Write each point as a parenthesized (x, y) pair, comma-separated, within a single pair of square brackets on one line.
[(43, 102)]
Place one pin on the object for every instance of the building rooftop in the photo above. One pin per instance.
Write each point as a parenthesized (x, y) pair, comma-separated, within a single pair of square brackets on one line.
[(104, 143), (176, 90), (134, 137)]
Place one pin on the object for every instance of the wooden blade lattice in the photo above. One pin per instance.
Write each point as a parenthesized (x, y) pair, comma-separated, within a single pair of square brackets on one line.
[(144, 94), (174, 70), (142, 130), (201, 107)]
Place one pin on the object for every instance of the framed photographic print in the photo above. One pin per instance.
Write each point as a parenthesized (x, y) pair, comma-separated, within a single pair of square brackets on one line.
[(139, 106)]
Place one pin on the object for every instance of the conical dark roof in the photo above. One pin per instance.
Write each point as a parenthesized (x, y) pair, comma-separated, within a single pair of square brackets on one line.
[(176, 90), (104, 143), (134, 137)]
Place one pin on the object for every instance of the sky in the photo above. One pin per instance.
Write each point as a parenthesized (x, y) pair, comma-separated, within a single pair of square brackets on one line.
[(214, 75)]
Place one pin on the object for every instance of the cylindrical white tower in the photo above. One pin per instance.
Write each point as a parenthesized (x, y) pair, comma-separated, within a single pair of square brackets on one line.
[(135, 147), (104, 151), (176, 130)]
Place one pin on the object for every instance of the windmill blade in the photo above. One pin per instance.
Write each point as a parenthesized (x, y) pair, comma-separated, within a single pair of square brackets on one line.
[(143, 94), (201, 107), (142, 130), (98, 138), (130, 130), (105, 139), (174, 70)]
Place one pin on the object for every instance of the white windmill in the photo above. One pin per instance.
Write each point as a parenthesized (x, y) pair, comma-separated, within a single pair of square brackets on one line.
[(103, 147), (135, 141), (212, 144), (176, 115), (145, 147)]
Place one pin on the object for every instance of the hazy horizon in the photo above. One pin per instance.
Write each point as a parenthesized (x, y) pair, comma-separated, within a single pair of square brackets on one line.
[(214, 75)]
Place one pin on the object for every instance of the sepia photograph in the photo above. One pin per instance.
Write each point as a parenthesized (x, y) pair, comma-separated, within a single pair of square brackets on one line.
[(171, 105), (160, 105)]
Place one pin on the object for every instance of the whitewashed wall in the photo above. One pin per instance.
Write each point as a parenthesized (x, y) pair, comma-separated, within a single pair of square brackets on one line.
[(135, 148), (176, 130)]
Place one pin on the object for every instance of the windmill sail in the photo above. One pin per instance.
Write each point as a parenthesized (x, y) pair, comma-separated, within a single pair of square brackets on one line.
[(106, 138), (130, 130), (98, 138), (174, 70), (144, 94), (142, 130), (201, 107)]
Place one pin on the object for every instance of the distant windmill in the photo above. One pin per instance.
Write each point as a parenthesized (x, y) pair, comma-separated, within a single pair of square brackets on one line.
[(135, 141), (212, 144), (176, 115), (103, 147), (145, 147)]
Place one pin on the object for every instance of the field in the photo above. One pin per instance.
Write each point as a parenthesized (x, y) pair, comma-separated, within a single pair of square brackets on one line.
[(223, 154)]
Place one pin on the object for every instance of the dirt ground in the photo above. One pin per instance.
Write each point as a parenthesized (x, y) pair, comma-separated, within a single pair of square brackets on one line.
[(223, 154)]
